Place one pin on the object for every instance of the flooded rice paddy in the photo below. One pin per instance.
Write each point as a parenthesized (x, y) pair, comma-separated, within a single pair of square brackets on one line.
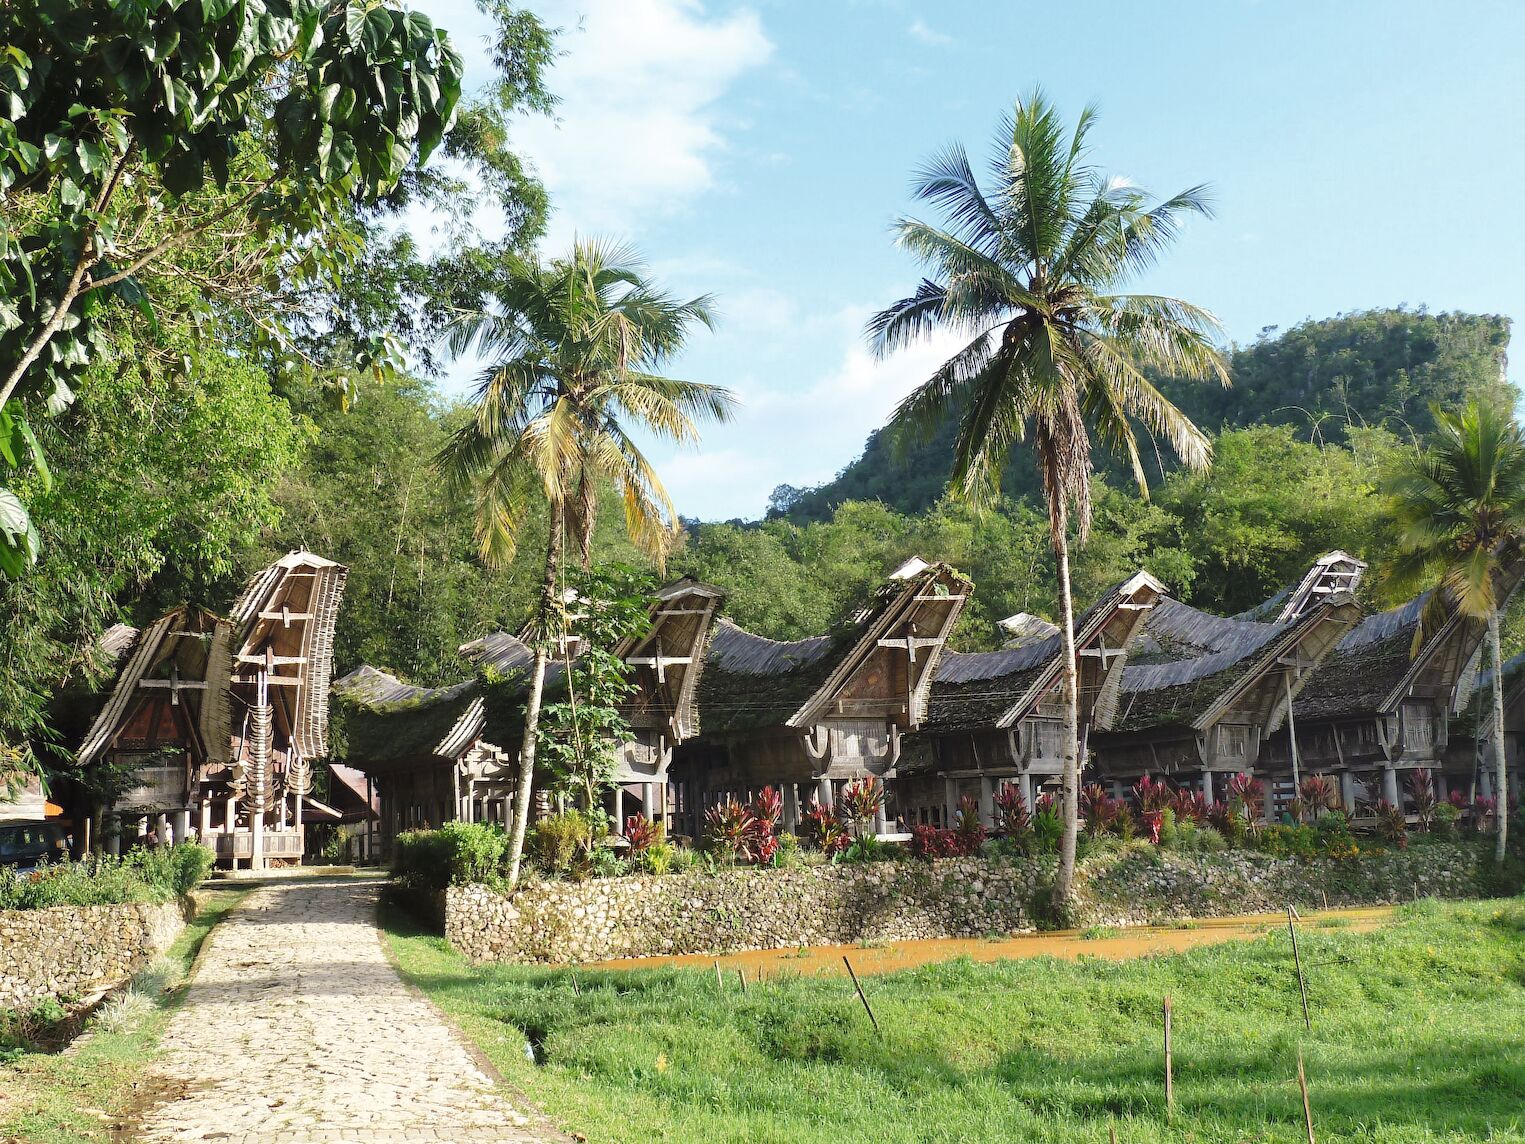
[(1115, 944)]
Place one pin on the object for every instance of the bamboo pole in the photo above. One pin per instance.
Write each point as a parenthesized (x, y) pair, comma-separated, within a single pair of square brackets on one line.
[(1297, 959), (861, 997), (1302, 1083), (1170, 1091)]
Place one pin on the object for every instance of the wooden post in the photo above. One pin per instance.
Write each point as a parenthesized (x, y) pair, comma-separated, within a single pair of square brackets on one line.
[(719, 981), (1170, 1092), (1297, 959), (741, 975), (1302, 1083), (861, 997), (1297, 776)]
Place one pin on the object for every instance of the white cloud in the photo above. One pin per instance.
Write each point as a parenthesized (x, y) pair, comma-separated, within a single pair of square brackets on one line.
[(919, 30), (801, 434), (638, 129)]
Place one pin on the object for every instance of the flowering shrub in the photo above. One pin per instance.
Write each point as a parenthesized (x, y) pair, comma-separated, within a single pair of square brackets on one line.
[(1012, 818), (768, 807)]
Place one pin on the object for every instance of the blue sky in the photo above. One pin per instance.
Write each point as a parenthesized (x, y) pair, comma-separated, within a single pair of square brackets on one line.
[(1361, 153)]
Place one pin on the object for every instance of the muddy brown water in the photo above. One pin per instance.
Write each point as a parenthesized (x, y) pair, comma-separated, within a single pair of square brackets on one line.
[(1113, 944)]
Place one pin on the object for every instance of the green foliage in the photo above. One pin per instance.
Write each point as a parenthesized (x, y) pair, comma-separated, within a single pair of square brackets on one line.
[(457, 854), (559, 842), (1324, 378), (109, 116), (581, 731), (153, 874)]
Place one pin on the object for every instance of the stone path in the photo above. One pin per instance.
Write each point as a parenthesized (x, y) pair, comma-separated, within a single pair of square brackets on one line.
[(297, 1029)]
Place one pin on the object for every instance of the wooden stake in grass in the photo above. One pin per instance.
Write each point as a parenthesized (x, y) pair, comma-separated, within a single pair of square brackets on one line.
[(1302, 1083), (575, 990), (1326, 898), (719, 980), (1170, 1090), (741, 975), (861, 997), (1111, 1134), (1297, 959)]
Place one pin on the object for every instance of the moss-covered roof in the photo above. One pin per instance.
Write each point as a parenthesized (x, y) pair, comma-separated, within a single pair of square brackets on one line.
[(1364, 668), (750, 681)]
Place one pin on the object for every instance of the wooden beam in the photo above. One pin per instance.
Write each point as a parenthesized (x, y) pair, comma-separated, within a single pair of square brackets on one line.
[(175, 684)]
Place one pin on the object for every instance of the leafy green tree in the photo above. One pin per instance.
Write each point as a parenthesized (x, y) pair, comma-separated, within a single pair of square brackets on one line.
[(572, 345), (1458, 507), (1029, 274), (580, 732), (139, 495), (110, 113), (1326, 378)]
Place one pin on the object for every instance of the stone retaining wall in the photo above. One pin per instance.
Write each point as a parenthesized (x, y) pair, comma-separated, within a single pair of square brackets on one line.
[(69, 951), (558, 922)]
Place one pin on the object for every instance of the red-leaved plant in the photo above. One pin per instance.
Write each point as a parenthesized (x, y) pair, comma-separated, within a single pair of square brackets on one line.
[(1247, 795), (642, 833), (1098, 809), (1012, 818), (730, 831), (859, 804), (1152, 796), (1190, 806), (1421, 792), (1317, 795), (930, 842), (822, 829), (968, 831), (1391, 825)]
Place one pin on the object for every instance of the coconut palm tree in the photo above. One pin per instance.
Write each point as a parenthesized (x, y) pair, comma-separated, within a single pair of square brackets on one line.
[(573, 343), (1458, 507), (1028, 271)]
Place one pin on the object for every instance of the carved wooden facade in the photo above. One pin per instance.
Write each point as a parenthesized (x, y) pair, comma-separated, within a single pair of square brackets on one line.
[(221, 720), (809, 715)]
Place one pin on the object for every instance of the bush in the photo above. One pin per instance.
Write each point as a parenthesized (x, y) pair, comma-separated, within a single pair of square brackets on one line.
[(557, 840), (1334, 837), (457, 854), (1281, 841), (156, 874)]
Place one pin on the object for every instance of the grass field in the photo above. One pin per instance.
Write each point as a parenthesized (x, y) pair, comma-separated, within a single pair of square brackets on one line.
[(1418, 1035), (83, 1095)]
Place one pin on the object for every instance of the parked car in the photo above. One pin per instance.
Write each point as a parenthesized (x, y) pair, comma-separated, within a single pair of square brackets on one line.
[(28, 845)]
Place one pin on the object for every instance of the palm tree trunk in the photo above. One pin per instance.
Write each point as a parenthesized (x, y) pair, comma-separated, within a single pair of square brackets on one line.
[(1064, 881), (1500, 773), (522, 794)]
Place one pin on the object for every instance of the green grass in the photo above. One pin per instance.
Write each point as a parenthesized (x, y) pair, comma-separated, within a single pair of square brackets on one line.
[(78, 1097), (1419, 1035)]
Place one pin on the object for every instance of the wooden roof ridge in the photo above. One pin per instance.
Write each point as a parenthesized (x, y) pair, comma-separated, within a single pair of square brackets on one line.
[(290, 609), (213, 723), (895, 602), (1339, 608), (1024, 674)]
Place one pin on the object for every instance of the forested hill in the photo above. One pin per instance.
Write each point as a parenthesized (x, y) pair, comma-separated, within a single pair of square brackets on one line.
[(1377, 367)]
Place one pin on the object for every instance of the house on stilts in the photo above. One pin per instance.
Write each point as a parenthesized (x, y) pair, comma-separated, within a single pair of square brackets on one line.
[(216, 723), (441, 754)]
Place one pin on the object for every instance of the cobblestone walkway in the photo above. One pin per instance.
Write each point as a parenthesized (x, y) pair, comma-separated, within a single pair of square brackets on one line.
[(297, 1029)]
